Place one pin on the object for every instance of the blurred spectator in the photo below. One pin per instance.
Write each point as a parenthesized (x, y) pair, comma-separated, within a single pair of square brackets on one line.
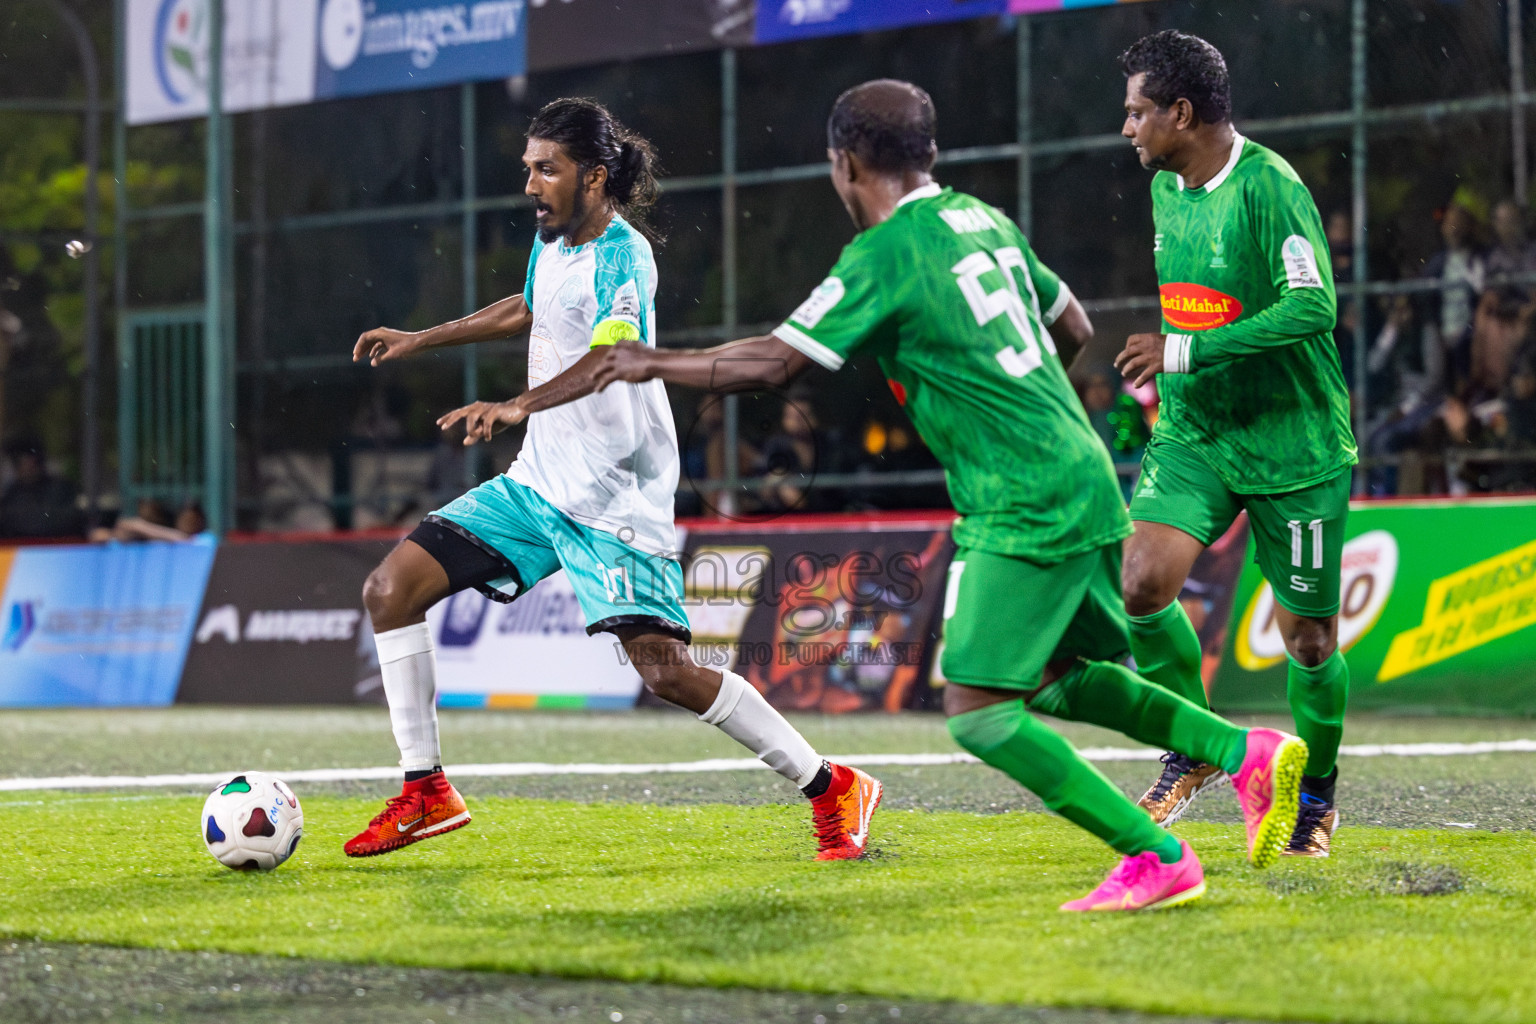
[(1498, 331), (1341, 250), (1340, 232), (192, 520), (1511, 253), (1514, 423), (36, 503), (154, 522), (1520, 403), (1404, 395), (1461, 269), (1456, 432), (1493, 417), (1397, 362), (789, 459), (703, 459)]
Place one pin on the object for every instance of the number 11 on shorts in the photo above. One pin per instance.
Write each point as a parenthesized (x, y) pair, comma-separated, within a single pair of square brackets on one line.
[(1316, 529), (619, 586)]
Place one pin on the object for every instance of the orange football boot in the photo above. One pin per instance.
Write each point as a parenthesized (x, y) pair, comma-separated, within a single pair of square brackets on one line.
[(841, 814), (424, 808)]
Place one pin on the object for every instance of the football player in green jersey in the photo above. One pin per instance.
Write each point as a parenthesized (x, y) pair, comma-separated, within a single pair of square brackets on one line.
[(1255, 413), (947, 295)]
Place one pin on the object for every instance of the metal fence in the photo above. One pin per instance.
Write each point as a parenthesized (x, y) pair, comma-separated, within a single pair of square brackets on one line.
[(1387, 107)]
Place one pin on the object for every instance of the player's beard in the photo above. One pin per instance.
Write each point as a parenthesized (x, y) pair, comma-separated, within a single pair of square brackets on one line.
[(548, 233)]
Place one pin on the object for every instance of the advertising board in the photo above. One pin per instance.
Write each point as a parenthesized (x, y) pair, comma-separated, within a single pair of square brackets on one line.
[(837, 616), (567, 33), (534, 652), (780, 21), (283, 623), (1438, 604), (104, 625), (283, 52)]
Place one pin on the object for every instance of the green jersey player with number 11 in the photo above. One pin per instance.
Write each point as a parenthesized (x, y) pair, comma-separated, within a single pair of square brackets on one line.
[(947, 295), (1255, 413)]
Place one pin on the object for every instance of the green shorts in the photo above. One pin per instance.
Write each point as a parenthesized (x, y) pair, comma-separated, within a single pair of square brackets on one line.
[(1006, 619), (1298, 536)]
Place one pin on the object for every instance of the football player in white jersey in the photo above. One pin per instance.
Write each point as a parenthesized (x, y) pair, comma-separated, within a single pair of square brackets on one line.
[(591, 491)]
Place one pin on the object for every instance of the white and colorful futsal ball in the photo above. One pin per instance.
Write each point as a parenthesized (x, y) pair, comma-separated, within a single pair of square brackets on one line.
[(252, 822)]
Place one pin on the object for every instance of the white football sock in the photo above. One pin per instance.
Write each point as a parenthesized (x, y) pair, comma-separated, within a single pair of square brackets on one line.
[(409, 668), (741, 713)]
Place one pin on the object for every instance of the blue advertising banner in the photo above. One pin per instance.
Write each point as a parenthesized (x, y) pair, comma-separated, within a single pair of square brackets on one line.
[(106, 625), (386, 45), (283, 52), (780, 21)]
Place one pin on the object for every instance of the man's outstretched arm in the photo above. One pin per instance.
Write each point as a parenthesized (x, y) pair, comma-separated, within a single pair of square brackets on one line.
[(746, 365), (482, 420), (502, 319)]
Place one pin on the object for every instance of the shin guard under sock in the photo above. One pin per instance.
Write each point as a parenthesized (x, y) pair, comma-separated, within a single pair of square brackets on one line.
[(1167, 651), (1010, 739), (408, 668), (741, 713), (1103, 693), (1318, 697)]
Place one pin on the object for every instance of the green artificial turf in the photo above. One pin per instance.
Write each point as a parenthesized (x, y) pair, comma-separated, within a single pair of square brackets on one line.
[(1402, 925)]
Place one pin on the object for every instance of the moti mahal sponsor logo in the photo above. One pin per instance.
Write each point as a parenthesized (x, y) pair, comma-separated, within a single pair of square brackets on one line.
[(1368, 568), (1194, 307), (1468, 608)]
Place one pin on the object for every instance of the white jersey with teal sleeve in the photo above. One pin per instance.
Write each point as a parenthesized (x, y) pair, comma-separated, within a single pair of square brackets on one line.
[(608, 460)]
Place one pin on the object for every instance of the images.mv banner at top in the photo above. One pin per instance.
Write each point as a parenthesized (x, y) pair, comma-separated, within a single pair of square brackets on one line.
[(285, 52)]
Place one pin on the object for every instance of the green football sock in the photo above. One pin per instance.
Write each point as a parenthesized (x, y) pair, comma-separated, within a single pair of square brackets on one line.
[(1113, 696), (1013, 741), (1318, 697), (1167, 651)]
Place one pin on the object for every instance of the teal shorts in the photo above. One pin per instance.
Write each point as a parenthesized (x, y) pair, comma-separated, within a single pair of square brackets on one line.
[(616, 584), (1298, 536)]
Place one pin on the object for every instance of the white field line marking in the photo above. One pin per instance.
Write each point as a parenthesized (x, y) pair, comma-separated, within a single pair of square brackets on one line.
[(718, 764)]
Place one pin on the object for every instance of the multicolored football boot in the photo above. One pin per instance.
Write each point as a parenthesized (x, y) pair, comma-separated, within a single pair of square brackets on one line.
[(1182, 780), (841, 815), (1144, 882), (1315, 825), (1269, 788), (425, 808)]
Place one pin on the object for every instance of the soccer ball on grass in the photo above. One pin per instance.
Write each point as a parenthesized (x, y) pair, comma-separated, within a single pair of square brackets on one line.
[(252, 822)]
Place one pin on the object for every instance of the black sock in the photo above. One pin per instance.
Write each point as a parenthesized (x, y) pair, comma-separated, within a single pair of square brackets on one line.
[(817, 786), (1320, 788), (417, 776)]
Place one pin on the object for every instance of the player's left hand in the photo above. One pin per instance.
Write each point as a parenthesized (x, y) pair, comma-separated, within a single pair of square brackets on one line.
[(627, 361), (1141, 359), (484, 420)]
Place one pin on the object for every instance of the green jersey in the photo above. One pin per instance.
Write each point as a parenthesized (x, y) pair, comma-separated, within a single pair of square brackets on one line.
[(951, 300), (1252, 378)]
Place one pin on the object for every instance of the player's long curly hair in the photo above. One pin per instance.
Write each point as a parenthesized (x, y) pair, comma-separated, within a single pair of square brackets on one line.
[(593, 137), (1179, 66)]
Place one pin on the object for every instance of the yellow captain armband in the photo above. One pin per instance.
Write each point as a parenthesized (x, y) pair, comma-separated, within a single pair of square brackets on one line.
[(611, 332)]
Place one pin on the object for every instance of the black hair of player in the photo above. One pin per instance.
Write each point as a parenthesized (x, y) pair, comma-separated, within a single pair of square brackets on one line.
[(1180, 66), (891, 137), (593, 137)]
